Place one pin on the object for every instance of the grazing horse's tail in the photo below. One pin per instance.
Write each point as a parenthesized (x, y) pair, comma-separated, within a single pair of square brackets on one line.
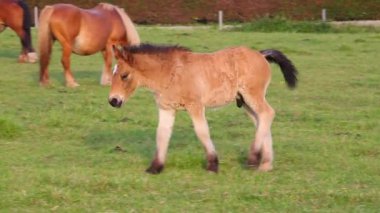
[(45, 40), (132, 35), (26, 19), (288, 69)]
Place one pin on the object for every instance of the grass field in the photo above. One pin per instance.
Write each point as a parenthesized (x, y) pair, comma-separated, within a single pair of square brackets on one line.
[(58, 146)]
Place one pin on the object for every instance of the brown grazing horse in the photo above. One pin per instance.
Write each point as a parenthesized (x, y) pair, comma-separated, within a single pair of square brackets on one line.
[(182, 79), (83, 32), (15, 14)]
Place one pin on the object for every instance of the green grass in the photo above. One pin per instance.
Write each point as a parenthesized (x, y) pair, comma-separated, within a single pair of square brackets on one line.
[(58, 145)]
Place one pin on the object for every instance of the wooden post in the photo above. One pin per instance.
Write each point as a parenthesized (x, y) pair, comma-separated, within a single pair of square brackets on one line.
[(36, 16), (324, 14), (220, 19)]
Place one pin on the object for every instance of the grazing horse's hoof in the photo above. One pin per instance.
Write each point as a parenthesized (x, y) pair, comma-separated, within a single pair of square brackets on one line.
[(28, 58), (72, 84), (105, 80), (108, 83), (32, 57), (44, 83), (22, 58)]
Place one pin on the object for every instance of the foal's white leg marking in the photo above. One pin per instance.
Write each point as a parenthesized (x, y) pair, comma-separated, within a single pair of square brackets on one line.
[(164, 131), (201, 129)]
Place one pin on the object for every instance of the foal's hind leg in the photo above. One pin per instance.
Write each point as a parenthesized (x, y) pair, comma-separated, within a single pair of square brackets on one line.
[(198, 117), (261, 151), (106, 73)]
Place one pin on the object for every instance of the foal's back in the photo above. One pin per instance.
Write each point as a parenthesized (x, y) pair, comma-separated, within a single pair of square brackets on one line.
[(215, 78)]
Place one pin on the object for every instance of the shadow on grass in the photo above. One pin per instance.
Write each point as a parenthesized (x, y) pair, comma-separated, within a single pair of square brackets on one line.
[(57, 76), (9, 54), (131, 141)]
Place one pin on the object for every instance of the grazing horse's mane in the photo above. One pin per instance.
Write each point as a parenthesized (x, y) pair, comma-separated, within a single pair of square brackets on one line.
[(146, 48), (106, 6), (132, 35)]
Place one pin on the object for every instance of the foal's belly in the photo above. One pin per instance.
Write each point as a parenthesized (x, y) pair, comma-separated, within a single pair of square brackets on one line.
[(219, 97), (219, 88)]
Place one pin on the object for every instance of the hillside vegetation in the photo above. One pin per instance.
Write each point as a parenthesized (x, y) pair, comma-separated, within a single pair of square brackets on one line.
[(192, 11)]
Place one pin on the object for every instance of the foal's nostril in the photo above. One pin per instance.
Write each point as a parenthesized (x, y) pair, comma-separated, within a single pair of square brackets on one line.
[(115, 102)]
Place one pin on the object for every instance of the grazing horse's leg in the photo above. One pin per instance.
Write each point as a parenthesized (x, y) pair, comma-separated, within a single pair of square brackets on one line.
[(106, 73), (21, 34), (261, 151), (164, 131), (65, 60), (198, 117)]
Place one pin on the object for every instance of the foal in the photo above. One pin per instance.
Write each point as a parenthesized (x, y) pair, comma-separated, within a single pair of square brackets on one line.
[(182, 79)]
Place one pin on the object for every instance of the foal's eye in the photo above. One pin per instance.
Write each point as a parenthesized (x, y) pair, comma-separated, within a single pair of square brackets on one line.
[(124, 76)]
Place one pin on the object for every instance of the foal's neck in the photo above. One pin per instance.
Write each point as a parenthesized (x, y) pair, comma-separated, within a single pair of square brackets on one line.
[(154, 70)]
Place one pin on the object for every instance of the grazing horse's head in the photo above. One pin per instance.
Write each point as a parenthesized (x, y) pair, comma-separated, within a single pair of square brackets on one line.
[(124, 81)]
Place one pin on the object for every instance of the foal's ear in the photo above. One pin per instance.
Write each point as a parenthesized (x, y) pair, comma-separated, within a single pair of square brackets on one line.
[(117, 52)]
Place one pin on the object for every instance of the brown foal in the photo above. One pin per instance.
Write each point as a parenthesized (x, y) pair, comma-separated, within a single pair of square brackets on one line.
[(181, 79)]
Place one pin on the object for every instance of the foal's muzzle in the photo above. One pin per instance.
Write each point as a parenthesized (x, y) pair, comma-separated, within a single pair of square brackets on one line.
[(115, 102)]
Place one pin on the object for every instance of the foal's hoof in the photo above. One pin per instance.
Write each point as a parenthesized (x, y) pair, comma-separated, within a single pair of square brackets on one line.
[(213, 168), (155, 169), (265, 167), (213, 164), (254, 160)]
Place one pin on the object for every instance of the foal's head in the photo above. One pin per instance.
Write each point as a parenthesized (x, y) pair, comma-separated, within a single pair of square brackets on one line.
[(124, 81)]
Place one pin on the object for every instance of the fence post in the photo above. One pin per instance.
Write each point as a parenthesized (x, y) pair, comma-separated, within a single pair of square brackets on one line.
[(324, 14), (220, 19), (36, 16)]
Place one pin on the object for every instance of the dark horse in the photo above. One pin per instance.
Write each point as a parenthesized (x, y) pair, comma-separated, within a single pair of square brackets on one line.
[(83, 32), (15, 14)]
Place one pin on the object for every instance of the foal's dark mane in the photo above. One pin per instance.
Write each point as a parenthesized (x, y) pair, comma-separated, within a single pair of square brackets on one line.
[(146, 48)]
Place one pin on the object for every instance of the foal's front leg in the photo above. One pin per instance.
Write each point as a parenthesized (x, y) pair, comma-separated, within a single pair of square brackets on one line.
[(198, 117), (164, 131)]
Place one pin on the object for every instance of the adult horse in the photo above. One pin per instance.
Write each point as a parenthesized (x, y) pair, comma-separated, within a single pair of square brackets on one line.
[(83, 32), (182, 79), (15, 14)]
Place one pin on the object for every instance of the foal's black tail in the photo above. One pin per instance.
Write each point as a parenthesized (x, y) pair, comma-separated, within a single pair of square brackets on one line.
[(288, 69)]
